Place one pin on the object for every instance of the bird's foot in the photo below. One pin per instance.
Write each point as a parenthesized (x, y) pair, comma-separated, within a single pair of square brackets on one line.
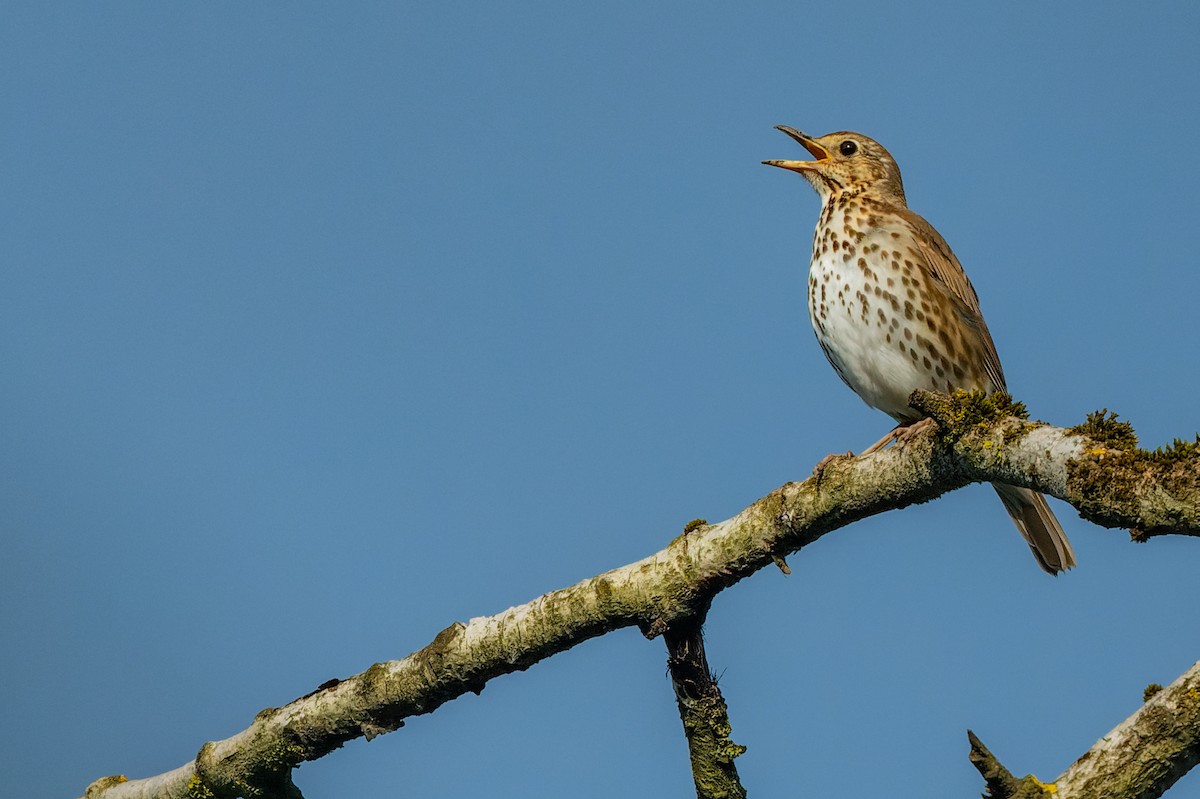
[(831, 458), (893, 435), (914, 429), (899, 434)]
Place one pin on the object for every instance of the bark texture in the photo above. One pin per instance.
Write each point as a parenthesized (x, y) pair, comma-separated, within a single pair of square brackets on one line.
[(704, 714), (1147, 753), (1140, 759), (1096, 467)]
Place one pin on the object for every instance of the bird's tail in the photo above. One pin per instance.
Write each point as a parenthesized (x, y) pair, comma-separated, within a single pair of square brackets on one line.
[(1037, 524)]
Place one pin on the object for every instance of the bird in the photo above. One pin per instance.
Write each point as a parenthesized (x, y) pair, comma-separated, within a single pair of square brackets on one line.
[(894, 311)]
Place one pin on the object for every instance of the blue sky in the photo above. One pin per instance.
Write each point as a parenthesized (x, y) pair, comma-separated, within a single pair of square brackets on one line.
[(325, 326)]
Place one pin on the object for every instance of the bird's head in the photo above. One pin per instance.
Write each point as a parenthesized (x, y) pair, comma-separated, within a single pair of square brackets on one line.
[(845, 161)]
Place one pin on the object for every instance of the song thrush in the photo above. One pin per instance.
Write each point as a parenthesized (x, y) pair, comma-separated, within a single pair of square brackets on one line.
[(893, 309)]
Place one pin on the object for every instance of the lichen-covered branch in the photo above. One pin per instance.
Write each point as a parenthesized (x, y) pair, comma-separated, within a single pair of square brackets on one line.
[(1147, 753), (1144, 756), (1000, 782), (703, 713), (1096, 467)]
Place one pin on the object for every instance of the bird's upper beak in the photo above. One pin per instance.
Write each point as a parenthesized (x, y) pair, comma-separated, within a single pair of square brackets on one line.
[(809, 143)]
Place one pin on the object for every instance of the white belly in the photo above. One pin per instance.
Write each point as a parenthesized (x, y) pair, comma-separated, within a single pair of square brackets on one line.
[(860, 323)]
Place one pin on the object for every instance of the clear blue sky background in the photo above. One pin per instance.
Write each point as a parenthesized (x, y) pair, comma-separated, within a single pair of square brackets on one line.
[(326, 325)]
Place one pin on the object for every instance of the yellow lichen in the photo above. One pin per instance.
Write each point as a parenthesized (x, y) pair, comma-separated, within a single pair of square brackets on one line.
[(103, 784), (196, 789), (1047, 787)]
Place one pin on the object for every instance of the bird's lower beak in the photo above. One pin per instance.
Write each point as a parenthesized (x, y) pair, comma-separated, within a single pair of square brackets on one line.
[(809, 143)]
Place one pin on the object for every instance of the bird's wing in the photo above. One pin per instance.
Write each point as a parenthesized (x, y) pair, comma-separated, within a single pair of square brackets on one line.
[(948, 274)]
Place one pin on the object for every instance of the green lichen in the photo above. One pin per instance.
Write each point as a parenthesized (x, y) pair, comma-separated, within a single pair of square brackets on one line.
[(1102, 427), (604, 590), (271, 774), (963, 412), (975, 421), (377, 673), (976, 409), (706, 724), (1108, 475), (282, 757), (1178, 451), (688, 529), (1107, 481)]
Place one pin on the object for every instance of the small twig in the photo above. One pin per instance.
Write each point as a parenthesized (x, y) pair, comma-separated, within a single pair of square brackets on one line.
[(1000, 782)]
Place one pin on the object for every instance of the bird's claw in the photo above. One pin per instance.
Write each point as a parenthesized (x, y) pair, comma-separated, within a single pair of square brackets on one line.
[(899, 434), (831, 458), (905, 433)]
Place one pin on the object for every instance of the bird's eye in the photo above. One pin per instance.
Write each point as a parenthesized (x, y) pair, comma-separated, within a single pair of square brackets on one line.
[(848, 147)]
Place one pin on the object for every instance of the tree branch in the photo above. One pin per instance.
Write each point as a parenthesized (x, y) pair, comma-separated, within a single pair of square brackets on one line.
[(1140, 759), (1000, 782), (1095, 467), (703, 712)]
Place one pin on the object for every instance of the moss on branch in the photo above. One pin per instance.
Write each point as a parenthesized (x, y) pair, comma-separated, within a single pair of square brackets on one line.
[(1095, 466), (1113, 482), (704, 714)]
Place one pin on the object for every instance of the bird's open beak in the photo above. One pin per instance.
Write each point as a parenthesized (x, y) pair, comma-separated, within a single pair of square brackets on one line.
[(809, 143)]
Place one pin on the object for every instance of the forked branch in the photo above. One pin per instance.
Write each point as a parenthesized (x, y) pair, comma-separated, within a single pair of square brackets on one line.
[(1140, 759), (1095, 467)]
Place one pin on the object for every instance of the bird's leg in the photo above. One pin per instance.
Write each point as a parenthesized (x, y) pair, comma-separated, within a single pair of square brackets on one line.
[(900, 433), (892, 435), (908, 431)]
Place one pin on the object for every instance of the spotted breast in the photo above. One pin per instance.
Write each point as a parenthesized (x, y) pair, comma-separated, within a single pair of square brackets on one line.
[(878, 315)]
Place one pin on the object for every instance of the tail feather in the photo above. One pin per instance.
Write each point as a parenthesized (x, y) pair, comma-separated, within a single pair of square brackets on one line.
[(1038, 526)]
